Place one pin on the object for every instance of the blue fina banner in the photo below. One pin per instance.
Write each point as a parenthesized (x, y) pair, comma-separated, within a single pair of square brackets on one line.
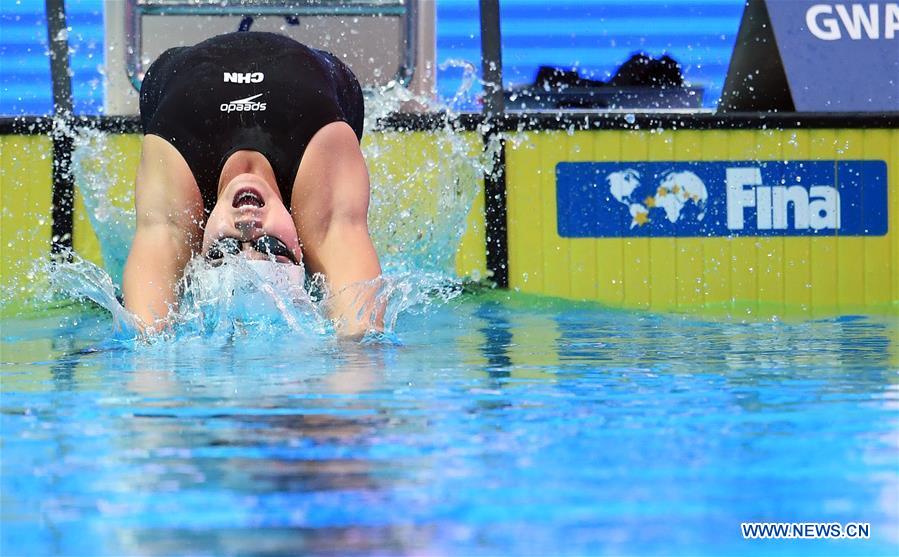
[(839, 56), (722, 198)]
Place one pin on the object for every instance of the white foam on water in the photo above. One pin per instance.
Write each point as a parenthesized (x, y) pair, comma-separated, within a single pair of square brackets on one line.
[(248, 292), (246, 297)]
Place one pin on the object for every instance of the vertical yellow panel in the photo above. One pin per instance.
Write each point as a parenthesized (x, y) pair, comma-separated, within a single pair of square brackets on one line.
[(609, 251), (893, 179), (879, 262), (797, 249), (637, 264), (850, 250), (743, 145), (716, 251), (662, 251), (471, 248), (524, 199), (556, 262), (420, 149), (513, 145), (583, 252), (471, 259), (769, 251), (26, 197), (824, 268), (688, 147)]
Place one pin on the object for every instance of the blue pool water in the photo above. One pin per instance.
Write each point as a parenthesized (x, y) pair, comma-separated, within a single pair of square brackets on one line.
[(493, 424)]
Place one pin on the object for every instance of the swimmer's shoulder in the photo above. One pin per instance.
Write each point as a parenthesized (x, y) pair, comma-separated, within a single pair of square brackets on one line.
[(164, 178)]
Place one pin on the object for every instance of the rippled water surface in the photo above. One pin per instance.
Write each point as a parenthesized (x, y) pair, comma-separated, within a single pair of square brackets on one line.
[(495, 424)]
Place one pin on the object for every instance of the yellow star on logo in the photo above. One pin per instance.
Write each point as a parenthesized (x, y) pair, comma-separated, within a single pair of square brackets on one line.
[(641, 218), (662, 192), (650, 201)]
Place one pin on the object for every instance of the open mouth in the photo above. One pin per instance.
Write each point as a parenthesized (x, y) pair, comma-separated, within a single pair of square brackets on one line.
[(247, 198)]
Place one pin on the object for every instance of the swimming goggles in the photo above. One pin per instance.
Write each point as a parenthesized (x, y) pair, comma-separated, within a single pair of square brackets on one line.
[(268, 245)]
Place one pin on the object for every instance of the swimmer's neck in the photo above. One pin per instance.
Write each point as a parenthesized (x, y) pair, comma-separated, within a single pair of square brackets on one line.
[(247, 162)]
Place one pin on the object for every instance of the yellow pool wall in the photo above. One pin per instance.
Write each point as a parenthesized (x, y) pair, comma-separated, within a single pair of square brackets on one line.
[(26, 196), (734, 275), (743, 276)]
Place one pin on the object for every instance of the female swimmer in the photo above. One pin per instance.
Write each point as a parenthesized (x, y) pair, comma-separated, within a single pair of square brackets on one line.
[(251, 146)]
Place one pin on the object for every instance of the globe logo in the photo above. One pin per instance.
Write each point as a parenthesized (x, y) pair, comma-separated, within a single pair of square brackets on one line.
[(676, 195)]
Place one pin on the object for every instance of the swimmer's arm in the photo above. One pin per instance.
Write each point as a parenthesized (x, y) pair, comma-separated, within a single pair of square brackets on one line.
[(350, 263), (154, 267), (169, 209), (330, 208)]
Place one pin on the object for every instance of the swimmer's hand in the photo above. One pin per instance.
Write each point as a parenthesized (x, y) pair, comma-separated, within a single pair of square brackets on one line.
[(358, 309), (152, 273), (128, 325), (149, 331)]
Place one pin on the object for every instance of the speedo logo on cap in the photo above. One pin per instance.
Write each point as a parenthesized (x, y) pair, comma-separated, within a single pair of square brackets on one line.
[(244, 105)]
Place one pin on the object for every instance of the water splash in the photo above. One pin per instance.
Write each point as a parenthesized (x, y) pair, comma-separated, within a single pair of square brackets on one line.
[(423, 186), (241, 293), (241, 297), (469, 79), (423, 183), (94, 163), (72, 277)]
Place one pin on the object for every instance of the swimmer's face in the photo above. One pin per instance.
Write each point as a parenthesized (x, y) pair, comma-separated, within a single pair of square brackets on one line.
[(248, 208)]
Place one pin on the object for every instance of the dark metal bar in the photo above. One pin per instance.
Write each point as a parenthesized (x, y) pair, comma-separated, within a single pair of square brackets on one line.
[(497, 244), (61, 133), (528, 121), (492, 58)]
